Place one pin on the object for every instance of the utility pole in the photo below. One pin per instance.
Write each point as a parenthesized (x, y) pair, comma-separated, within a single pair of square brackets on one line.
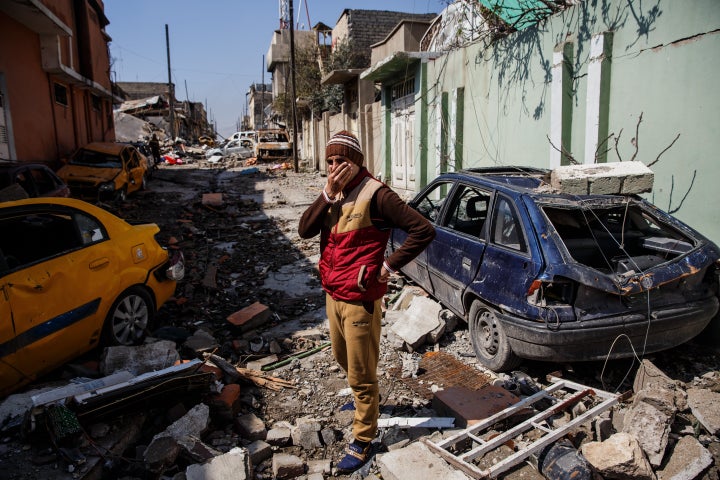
[(171, 93), (262, 95), (292, 89)]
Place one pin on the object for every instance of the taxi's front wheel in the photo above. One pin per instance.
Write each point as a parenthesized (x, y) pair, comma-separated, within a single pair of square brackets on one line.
[(129, 318)]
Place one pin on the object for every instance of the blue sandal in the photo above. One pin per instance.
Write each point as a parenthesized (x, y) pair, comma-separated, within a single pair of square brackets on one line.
[(355, 457)]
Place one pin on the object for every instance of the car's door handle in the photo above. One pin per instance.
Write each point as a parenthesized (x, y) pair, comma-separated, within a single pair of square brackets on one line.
[(99, 263), (466, 263)]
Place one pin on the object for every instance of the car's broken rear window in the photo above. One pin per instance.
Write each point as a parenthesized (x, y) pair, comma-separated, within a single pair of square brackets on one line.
[(617, 237)]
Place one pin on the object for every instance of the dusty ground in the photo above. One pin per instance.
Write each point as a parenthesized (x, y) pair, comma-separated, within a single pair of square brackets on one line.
[(247, 250)]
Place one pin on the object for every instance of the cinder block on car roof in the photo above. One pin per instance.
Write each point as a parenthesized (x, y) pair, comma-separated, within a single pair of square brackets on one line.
[(611, 178)]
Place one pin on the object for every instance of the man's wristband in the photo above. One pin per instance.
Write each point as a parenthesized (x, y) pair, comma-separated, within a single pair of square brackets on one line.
[(327, 197)]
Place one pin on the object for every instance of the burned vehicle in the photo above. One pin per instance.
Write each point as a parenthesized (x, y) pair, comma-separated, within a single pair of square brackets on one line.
[(32, 179), (105, 171), (273, 144), (557, 277), (73, 276)]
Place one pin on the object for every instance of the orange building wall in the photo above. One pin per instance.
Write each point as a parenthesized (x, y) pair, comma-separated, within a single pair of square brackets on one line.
[(42, 129), (28, 92)]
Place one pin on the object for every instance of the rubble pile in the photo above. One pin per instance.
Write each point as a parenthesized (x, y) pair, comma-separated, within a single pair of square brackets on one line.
[(238, 380)]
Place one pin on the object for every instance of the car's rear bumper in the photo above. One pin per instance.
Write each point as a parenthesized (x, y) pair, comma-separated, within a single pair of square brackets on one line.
[(612, 337)]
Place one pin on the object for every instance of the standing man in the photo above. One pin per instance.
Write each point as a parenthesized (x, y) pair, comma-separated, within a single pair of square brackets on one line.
[(155, 148), (354, 215)]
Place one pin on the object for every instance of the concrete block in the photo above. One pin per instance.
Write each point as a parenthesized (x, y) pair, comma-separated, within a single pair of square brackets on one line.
[(434, 336), (328, 436), (234, 464), (651, 427), (416, 461), (688, 460), (259, 451), (603, 426), (319, 467), (395, 438), (406, 297), (139, 359), (468, 407), (161, 454), (306, 433), (649, 377), (286, 466), (703, 404), (278, 436), (250, 317), (660, 398), (198, 450), (603, 178), (620, 456), (421, 318), (192, 424), (201, 341), (251, 427)]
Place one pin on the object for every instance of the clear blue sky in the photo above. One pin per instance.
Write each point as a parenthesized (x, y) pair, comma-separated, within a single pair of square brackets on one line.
[(216, 46)]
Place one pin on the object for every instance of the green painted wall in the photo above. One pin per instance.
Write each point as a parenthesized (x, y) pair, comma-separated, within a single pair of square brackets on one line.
[(663, 65)]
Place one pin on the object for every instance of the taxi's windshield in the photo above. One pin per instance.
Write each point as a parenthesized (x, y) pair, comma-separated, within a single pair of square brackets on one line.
[(90, 158)]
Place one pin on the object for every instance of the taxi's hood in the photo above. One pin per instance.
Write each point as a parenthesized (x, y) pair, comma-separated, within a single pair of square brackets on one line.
[(95, 175)]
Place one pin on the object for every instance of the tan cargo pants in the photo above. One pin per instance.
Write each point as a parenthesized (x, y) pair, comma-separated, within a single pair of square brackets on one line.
[(355, 336)]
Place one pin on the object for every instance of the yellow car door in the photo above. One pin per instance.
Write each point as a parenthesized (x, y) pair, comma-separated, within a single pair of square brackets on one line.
[(10, 366), (135, 170), (57, 292)]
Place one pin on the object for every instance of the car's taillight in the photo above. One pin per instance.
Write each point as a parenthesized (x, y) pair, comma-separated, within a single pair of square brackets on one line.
[(558, 291), (534, 287), (176, 266)]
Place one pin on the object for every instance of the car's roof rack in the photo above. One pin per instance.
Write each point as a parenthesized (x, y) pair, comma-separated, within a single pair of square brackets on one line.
[(507, 170)]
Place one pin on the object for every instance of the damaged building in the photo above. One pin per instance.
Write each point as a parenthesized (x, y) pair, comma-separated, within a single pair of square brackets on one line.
[(153, 101), (55, 88)]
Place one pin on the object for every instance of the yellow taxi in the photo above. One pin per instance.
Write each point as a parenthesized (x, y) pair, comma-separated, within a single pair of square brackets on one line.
[(105, 171), (73, 276)]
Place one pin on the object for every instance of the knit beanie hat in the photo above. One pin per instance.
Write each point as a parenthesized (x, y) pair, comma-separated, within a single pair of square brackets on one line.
[(346, 144)]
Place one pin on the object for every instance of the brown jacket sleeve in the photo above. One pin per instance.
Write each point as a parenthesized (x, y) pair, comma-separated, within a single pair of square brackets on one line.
[(393, 212), (312, 219)]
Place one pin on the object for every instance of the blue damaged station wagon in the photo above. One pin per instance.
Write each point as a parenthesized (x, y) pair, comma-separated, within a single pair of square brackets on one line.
[(556, 277)]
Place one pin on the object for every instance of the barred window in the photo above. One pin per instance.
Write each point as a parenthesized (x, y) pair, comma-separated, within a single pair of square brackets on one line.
[(403, 89)]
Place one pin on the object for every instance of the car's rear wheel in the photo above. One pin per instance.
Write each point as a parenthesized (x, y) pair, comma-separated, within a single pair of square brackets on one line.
[(489, 340), (129, 318)]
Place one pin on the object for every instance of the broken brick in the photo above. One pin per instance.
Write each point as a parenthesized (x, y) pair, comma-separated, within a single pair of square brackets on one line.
[(251, 316), (205, 367), (226, 404), (212, 199)]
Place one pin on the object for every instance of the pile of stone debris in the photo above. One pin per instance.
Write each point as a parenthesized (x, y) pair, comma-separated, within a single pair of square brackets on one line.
[(239, 381), (180, 411)]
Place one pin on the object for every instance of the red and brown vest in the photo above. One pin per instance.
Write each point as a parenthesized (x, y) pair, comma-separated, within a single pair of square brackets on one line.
[(352, 248)]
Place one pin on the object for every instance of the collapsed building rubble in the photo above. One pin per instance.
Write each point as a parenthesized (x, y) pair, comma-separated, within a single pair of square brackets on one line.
[(268, 400)]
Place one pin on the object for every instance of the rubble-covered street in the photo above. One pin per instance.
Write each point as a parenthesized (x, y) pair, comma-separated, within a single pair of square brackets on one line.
[(238, 380)]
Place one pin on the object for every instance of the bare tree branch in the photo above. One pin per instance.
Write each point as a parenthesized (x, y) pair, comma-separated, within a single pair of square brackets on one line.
[(692, 182), (597, 150), (562, 150), (636, 141), (617, 141), (666, 149)]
